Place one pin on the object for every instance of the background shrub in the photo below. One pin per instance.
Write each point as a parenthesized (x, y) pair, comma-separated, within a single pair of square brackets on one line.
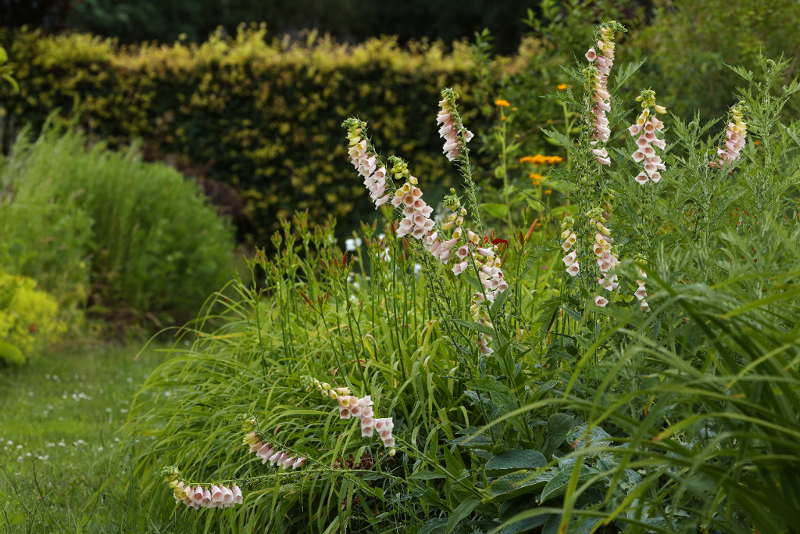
[(28, 317), (100, 227), (262, 118)]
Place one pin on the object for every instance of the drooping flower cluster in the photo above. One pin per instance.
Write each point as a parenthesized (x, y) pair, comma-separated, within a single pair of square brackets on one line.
[(607, 261), (647, 127), (735, 135), (198, 496), (365, 162), (351, 406), (570, 259), (641, 291), (600, 68), (449, 126), (271, 453)]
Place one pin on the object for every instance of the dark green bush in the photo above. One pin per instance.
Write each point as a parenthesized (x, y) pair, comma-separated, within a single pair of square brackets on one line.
[(102, 228), (261, 118)]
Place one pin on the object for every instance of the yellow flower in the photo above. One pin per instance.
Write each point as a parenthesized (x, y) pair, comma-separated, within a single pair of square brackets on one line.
[(502, 103), (547, 191), (536, 178), (527, 159), (562, 87)]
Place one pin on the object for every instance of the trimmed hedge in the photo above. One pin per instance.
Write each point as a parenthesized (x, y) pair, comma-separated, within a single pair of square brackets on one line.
[(263, 118)]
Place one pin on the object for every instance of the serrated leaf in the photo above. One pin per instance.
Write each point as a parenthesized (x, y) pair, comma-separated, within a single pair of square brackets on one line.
[(517, 459), (557, 138)]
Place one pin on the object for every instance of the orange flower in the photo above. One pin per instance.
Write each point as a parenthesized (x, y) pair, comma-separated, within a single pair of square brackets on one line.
[(562, 87), (540, 159), (536, 178), (502, 103)]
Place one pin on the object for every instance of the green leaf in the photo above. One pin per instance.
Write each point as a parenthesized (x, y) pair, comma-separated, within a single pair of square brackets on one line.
[(475, 326), (11, 354), (518, 483), (426, 475), (462, 511), (558, 425), (517, 459), (495, 210), (433, 526), (560, 478)]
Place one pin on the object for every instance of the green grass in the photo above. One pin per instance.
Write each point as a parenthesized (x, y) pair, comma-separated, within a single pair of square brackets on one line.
[(64, 465)]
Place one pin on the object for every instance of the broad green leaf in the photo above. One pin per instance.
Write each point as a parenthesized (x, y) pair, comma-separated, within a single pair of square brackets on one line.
[(495, 210), (518, 483), (517, 459)]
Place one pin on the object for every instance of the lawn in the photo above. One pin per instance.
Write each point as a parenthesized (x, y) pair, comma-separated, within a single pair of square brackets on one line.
[(65, 463)]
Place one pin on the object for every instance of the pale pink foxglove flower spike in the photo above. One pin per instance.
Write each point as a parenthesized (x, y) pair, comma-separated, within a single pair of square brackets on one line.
[(648, 127), (450, 127), (365, 162), (600, 67), (735, 136), (571, 258), (641, 291)]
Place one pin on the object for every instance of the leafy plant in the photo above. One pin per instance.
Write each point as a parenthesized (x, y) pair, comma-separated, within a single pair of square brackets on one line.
[(104, 231)]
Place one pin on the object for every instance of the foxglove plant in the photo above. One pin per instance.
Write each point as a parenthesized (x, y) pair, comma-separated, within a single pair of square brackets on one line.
[(599, 69), (450, 129), (647, 127), (735, 136), (570, 259), (351, 406), (271, 453), (449, 243), (202, 496)]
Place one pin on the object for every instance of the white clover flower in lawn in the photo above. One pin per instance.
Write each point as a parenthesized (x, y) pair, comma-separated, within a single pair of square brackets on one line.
[(647, 127), (735, 136)]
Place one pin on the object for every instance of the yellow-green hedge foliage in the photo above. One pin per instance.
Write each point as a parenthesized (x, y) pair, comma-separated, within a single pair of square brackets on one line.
[(28, 317), (264, 118)]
